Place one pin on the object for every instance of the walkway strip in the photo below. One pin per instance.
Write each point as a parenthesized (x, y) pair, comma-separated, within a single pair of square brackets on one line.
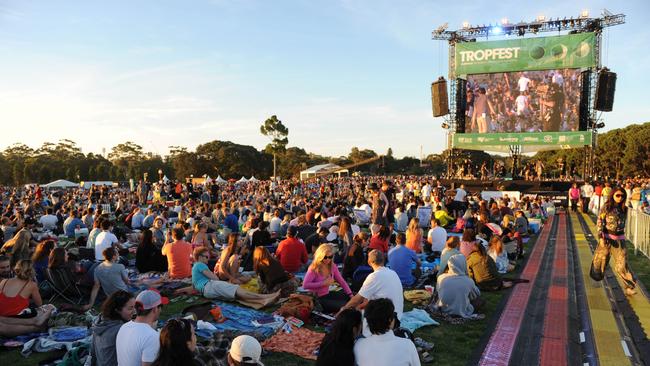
[(499, 349), (606, 335), (555, 338)]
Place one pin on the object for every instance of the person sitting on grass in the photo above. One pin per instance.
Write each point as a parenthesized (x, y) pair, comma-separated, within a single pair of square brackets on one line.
[(383, 347), (451, 248), (178, 255), (291, 253), (322, 273), (177, 344), (402, 259), (118, 309), (456, 290), (337, 348), (137, 341), (482, 269), (210, 286), (245, 351), (271, 276), (40, 258), (110, 276), (148, 257), (15, 297), (498, 253), (228, 267), (355, 256)]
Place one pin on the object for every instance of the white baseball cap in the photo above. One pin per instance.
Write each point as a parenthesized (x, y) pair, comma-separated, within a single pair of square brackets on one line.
[(246, 349)]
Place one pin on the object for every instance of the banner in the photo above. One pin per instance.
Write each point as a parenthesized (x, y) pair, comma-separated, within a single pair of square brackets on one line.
[(522, 54), (529, 141)]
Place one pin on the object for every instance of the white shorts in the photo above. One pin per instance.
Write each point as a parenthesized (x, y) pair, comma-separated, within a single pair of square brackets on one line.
[(220, 289)]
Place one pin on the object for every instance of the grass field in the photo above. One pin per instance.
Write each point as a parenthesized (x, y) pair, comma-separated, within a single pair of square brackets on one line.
[(454, 344)]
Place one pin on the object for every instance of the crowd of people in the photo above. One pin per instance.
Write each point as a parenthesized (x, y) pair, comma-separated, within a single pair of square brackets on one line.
[(529, 101), (354, 244)]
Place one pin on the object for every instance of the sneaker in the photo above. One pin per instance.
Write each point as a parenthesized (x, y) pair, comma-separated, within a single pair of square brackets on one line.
[(630, 291)]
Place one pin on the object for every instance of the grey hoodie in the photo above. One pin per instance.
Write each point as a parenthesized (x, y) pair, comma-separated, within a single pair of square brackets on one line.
[(456, 289), (102, 349)]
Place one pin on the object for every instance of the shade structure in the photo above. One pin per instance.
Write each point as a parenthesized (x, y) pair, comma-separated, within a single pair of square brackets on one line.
[(61, 183)]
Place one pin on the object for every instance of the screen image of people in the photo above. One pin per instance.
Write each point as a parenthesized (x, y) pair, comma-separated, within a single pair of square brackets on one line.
[(527, 101)]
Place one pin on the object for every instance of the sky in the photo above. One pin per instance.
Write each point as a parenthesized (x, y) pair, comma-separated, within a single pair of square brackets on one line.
[(338, 73)]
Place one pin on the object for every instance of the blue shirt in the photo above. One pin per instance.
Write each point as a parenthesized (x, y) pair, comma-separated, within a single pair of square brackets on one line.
[(199, 280), (232, 223), (69, 229), (401, 261)]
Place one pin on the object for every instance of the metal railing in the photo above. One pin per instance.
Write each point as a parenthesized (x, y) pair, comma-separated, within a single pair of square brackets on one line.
[(637, 231)]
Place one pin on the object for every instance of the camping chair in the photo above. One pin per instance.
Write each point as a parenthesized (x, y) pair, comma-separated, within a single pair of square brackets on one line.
[(361, 216), (106, 208), (62, 286), (424, 214)]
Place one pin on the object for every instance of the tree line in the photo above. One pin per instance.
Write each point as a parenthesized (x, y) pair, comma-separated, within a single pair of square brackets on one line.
[(620, 152)]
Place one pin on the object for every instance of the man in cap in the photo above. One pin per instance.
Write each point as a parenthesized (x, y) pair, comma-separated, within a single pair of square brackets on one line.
[(245, 350), (137, 341)]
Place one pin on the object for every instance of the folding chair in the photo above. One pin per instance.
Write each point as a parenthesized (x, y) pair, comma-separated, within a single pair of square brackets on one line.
[(424, 215), (62, 286)]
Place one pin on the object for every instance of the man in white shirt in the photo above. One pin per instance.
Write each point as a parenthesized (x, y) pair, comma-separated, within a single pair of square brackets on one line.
[(276, 222), (459, 200), (522, 104), (586, 191), (104, 240), (382, 346), (426, 192), (137, 342), (381, 283), (48, 221), (437, 236), (523, 82)]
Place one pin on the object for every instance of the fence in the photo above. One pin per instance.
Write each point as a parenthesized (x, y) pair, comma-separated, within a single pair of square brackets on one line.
[(637, 231)]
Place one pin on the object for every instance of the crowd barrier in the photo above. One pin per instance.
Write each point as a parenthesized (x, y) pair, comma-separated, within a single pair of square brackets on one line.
[(637, 231)]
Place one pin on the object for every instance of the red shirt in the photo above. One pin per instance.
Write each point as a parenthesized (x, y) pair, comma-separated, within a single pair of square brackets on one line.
[(378, 243), (179, 261), (292, 254)]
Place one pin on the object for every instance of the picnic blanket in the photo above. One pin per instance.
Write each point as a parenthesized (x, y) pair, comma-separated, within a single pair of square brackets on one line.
[(416, 318), (239, 319), (300, 342)]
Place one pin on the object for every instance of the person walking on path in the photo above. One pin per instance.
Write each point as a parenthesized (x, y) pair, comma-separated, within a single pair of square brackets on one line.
[(611, 234)]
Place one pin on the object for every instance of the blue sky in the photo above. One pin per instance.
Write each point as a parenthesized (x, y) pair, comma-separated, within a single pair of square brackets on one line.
[(338, 73)]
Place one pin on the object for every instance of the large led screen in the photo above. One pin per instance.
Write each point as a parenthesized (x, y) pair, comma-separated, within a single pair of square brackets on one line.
[(527, 101)]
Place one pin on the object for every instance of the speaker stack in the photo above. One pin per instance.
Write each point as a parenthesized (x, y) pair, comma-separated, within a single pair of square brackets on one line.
[(439, 99), (461, 104), (605, 89)]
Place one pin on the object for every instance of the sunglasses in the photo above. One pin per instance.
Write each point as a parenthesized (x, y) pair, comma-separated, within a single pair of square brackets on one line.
[(618, 195), (328, 257)]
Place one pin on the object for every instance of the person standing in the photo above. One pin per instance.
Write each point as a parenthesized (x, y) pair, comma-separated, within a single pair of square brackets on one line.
[(574, 196), (480, 116), (611, 233), (379, 206), (586, 191)]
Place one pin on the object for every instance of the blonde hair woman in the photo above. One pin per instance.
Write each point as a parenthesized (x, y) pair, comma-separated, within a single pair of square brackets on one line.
[(321, 274), (18, 246), (414, 236)]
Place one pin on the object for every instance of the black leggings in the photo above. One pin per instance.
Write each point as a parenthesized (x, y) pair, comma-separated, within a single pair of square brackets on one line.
[(333, 301)]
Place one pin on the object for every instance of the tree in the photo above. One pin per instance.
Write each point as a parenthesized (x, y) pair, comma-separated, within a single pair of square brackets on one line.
[(278, 133)]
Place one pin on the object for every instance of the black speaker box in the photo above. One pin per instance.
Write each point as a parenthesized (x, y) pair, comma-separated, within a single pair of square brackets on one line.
[(605, 91), (439, 99), (461, 104)]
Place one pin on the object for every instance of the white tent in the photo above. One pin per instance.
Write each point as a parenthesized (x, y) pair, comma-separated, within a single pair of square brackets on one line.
[(208, 180), (323, 169), (220, 180), (242, 180), (61, 183), (253, 179)]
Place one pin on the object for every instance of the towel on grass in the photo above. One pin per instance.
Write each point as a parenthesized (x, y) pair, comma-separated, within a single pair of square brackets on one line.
[(416, 318), (300, 342), (239, 319)]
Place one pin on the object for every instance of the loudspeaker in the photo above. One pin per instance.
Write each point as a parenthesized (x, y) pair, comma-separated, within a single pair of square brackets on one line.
[(461, 104), (439, 98), (585, 96), (605, 90)]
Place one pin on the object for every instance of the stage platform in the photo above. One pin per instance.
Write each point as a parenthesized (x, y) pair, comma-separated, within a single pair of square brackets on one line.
[(546, 187)]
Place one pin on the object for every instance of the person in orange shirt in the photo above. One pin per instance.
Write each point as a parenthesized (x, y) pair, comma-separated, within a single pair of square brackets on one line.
[(179, 254), (414, 236)]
